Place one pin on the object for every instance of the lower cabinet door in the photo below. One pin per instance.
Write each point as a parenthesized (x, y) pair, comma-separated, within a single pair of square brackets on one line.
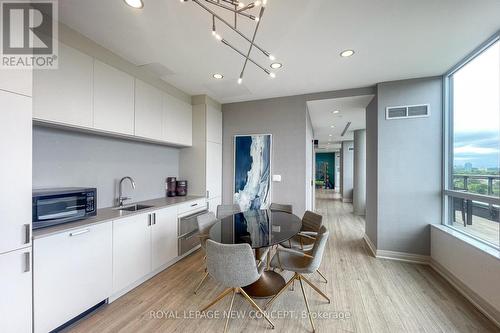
[(15, 291), (131, 250), (164, 236), (72, 273)]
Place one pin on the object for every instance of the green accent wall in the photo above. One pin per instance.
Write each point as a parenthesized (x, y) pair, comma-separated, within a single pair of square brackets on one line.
[(321, 159)]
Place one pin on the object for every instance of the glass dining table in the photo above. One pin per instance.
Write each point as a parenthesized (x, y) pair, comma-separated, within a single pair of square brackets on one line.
[(261, 229)]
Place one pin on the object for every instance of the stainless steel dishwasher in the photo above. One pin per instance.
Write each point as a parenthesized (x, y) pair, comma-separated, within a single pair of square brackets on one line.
[(187, 232)]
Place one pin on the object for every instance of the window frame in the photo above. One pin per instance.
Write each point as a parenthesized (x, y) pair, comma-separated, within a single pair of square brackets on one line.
[(447, 186)]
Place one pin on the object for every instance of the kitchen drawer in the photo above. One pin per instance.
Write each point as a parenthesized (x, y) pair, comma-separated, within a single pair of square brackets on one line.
[(72, 273), (191, 206)]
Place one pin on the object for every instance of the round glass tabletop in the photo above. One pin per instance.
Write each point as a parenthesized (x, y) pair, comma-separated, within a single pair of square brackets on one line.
[(259, 228)]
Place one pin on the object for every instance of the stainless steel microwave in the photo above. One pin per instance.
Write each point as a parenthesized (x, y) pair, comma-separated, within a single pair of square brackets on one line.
[(60, 205)]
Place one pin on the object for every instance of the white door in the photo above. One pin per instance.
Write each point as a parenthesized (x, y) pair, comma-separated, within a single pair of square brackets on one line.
[(214, 170), (113, 99), (164, 236), (15, 170), (65, 95), (15, 291), (177, 121), (148, 111), (131, 250), (214, 124), (72, 273)]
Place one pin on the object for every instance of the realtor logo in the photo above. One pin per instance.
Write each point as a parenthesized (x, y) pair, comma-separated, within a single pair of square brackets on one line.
[(29, 34)]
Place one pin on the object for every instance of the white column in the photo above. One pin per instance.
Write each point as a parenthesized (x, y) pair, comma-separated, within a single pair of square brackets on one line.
[(346, 170), (359, 192)]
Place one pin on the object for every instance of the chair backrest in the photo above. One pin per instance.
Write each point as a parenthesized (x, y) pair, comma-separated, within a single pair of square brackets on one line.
[(232, 265), (276, 207), (311, 221), (318, 249), (205, 222), (227, 210)]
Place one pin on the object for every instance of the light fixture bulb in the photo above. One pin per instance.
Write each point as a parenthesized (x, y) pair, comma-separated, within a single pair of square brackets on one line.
[(257, 3), (240, 80), (241, 4), (217, 36), (264, 2), (256, 19), (214, 33), (272, 75), (346, 53), (138, 4), (271, 57)]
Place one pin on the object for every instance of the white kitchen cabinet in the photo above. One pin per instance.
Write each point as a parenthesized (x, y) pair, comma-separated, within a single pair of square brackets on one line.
[(131, 250), (16, 291), (64, 95), (177, 121), (214, 124), (164, 236), (148, 111), (15, 168), (72, 273), (19, 81), (113, 99), (214, 169)]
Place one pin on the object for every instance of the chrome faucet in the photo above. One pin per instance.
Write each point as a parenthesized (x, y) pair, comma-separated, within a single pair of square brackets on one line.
[(121, 198)]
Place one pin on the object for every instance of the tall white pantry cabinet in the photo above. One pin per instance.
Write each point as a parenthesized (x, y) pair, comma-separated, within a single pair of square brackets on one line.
[(201, 165), (15, 201)]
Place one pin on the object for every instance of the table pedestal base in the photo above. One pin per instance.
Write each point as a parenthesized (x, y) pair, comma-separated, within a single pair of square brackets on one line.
[(268, 285)]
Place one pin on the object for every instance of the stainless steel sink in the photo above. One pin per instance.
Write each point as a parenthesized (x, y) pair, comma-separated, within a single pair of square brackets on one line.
[(133, 208)]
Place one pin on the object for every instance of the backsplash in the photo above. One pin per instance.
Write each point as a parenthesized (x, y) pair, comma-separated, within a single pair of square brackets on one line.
[(64, 158)]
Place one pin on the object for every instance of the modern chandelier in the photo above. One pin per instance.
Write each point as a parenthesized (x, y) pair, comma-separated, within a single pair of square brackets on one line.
[(239, 10)]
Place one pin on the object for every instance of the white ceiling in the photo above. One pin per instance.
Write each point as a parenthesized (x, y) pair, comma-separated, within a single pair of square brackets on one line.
[(393, 39), (351, 109)]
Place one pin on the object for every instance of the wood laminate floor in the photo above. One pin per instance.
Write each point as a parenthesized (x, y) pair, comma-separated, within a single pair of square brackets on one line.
[(372, 295)]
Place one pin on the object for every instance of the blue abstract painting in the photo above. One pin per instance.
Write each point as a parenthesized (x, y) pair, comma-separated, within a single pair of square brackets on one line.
[(252, 171)]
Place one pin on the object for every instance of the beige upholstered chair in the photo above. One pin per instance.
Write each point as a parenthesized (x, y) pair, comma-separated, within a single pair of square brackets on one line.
[(301, 262), (276, 207), (205, 222), (233, 266), (227, 210)]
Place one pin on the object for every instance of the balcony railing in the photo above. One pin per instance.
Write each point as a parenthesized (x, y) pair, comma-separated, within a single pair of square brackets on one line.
[(492, 183)]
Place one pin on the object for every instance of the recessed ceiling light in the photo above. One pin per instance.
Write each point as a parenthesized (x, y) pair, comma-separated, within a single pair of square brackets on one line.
[(135, 3), (332, 126), (329, 135), (218, 76), (276, 65), (346, 53), (335, 112)]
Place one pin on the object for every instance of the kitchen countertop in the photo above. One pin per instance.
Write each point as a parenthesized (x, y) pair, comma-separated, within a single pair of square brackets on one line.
[(111, 213)]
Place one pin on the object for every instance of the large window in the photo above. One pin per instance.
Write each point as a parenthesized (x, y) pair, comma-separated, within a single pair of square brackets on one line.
[(472, 189)]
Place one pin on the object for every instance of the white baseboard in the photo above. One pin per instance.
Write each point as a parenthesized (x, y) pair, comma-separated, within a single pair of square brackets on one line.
[(347, 200), (476, 300), (479, 302)]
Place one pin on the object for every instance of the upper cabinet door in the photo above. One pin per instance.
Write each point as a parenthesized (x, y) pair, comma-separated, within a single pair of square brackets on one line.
[(214, 125), (64, 95), (19, 81), (15, 168), (177, 121), (148, 111), (113, 99)]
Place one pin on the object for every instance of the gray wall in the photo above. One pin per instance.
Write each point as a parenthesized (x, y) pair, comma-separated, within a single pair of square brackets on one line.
[(310, 164), (347, 170), (63, 158), (371, 170), (409, 167), (285, 119), (359, 177)]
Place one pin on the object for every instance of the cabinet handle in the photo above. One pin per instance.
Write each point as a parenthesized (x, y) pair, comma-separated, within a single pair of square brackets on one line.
[(79, 232), (193, 205), (27, 233), (27, 262), (208, 194), (149, 220), (154, 218)]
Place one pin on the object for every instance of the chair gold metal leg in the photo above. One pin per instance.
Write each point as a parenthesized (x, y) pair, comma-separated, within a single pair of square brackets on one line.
[(201, 282), (229, 312), (281, 291), (217, 299), (307, 304), (315, 288), (293, 285), (324, 278), (249, 299)]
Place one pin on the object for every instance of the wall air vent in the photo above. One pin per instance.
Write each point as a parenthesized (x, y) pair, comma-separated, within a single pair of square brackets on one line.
[(407, 111)]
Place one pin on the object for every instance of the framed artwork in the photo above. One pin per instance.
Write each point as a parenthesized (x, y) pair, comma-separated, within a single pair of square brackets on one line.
[(252, 171)]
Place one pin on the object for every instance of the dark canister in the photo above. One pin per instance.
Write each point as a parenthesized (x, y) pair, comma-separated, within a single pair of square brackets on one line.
[(171, 186), (182, 188)]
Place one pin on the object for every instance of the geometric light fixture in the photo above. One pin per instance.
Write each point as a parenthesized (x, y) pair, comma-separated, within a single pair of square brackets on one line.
[(244, 12)]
